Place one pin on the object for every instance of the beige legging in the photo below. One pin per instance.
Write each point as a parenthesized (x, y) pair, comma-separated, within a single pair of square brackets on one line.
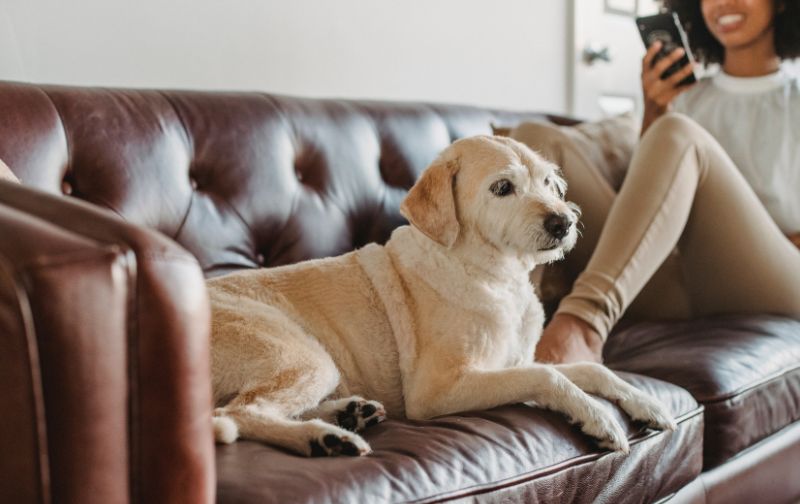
[(685, 236)]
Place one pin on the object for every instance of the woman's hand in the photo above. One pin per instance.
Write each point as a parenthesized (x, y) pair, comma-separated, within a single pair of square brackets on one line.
[(569, 339), (658, 93)]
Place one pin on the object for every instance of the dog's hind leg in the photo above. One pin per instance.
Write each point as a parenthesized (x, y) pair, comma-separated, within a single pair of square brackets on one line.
[(598, 379), (353, 413), (264, 409), (313, 438)]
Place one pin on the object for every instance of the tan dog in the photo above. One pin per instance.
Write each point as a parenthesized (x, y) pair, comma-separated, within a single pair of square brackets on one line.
[(441, 319)]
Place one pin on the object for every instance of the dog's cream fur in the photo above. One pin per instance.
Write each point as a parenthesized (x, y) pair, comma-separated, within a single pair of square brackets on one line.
[(441, 319)]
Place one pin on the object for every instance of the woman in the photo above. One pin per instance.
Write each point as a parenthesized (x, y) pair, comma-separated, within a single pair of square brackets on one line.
[(724, 210)]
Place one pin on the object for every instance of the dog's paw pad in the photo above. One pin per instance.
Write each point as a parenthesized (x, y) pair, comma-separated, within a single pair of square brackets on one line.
[(332, 445), (360, 414)]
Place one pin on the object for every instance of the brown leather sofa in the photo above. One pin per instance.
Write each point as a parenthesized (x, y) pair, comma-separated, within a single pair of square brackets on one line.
[(129, 197)]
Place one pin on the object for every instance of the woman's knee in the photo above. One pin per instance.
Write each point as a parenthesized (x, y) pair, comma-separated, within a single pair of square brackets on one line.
[(674, 124), (668, 140)]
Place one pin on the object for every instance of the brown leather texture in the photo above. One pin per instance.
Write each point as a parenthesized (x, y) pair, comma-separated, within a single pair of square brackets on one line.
[(241, 180), (764, 472), (509, 454), (147, 337), (745, 370), (69, 440), (107, 356)]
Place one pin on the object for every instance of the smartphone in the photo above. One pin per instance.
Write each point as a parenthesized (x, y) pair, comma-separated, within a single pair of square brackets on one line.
[(667, 28)]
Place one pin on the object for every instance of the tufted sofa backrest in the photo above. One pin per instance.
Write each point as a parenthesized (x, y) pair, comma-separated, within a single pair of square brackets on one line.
[(239, 179)]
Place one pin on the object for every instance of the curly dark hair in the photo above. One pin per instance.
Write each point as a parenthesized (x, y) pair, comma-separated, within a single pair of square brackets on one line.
[(708, 50)]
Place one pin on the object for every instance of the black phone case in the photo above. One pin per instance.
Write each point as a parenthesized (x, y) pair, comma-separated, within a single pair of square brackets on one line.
[(667, 28)]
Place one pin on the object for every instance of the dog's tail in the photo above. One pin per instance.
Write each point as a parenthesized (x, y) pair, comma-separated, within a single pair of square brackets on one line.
[(225, 429)]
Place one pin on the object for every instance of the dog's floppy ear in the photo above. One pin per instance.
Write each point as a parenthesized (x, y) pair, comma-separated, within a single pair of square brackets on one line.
[(430, 205)]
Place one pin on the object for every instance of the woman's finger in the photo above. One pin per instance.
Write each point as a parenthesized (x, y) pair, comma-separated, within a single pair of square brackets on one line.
[(647, 62), (674, 79), (666, 62)]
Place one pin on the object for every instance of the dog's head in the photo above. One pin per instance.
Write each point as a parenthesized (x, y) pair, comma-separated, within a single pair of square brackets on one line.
[(498, 191)]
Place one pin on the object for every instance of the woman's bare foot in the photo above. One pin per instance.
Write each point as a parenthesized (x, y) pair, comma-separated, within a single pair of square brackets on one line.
[(569, 339)]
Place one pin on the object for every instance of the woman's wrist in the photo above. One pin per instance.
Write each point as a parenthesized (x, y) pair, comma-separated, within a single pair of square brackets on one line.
[(652, 111)]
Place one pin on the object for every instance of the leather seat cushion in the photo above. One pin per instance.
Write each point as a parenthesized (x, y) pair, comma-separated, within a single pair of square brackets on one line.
[(745, 370), (516, 453)]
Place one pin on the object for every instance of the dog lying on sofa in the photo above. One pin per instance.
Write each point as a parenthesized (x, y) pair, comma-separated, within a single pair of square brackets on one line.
[(442, 319)]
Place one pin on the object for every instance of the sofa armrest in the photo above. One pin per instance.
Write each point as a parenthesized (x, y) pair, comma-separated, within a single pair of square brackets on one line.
[(104, 331)]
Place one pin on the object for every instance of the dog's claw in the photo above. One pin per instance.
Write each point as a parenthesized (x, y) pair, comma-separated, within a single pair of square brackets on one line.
[(615, 445), (649, 411)]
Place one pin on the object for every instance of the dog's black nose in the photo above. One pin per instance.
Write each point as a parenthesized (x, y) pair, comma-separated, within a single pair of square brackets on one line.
[(557, 225)]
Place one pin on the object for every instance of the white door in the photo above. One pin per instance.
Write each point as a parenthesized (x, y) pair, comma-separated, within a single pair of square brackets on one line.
[(606, 56)]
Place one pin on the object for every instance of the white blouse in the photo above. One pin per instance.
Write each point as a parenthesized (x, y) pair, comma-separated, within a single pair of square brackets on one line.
[(757, 121)]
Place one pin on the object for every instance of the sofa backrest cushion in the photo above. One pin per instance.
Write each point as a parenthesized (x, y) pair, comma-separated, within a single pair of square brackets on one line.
[(239, 179)]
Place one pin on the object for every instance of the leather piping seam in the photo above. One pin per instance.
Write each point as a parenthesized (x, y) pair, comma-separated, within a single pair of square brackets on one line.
[(134, 399), (747, 388), (547, 471), (69, 258), (758, 444), (36, 389)]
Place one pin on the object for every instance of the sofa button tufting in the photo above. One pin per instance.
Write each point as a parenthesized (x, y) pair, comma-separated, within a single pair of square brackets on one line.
[(260, 259), (193, 183), (66, 188)]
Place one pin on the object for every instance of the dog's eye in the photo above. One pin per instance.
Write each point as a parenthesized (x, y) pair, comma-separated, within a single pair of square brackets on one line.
[(547, 181), (502, 187)]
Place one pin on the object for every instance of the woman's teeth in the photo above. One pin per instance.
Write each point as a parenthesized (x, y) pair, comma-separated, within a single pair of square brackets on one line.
[(729, 19)]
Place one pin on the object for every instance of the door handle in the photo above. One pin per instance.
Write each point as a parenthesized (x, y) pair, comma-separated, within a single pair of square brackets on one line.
[(591, 54)]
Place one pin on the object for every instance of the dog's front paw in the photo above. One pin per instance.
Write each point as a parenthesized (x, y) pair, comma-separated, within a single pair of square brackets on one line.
[(613, 439), (606, 430), (644, 408), (358, 414), (334, 443)]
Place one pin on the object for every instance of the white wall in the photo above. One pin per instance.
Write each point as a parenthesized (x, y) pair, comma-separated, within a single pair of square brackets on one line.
[(506, 53)]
